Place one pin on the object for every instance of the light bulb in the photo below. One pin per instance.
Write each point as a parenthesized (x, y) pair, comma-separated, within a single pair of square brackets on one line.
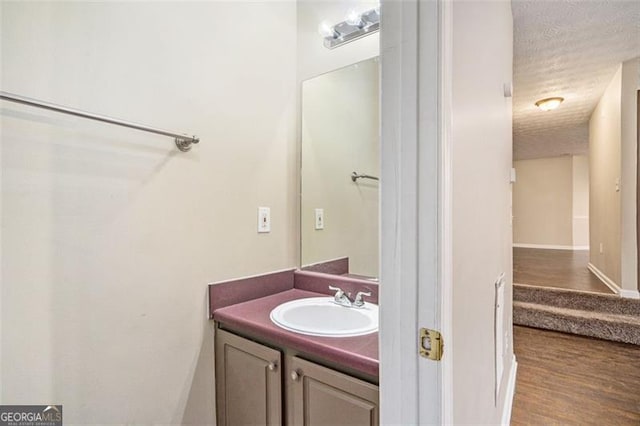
[(326, 30), (353, 18)]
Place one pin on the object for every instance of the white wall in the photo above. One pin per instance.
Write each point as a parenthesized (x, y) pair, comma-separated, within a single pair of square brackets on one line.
[(543, 202), (109, 235), (1, 244), (613, 180), (605, 173), (551, 202), (482, 158), (580, 166)]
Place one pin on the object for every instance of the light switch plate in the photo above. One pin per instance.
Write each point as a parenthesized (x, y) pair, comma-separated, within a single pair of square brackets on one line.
[(319, 222), (264, 220)]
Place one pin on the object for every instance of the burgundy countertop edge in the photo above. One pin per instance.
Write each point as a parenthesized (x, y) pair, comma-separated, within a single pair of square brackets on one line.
[(357, 353)]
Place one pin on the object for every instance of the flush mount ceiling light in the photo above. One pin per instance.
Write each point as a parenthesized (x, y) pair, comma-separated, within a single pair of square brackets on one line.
[(549, 103), (355, 26)]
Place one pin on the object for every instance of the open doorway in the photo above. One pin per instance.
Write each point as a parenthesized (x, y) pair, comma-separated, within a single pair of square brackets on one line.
[(551, 223), (575, 147), (574, 206)]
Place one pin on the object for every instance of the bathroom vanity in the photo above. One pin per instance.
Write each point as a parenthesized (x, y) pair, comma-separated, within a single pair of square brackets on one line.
[(268, 375), (276, 374), (264, 384)]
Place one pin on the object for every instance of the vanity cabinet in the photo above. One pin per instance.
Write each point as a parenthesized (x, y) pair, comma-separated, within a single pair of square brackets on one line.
[(318, 395), (248, 382), (249, 388)]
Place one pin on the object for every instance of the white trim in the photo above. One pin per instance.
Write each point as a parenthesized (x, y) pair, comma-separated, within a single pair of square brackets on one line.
[(446, 205), (430, 239), (604, 278), (629, 294), (550, 246), (622, 292), (511, 390), (399, 403), (411, 386)]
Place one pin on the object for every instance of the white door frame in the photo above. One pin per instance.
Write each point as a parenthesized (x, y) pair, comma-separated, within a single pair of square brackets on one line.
[(416, 268)]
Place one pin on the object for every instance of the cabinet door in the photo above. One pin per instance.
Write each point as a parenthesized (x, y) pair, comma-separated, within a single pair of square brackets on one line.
[(320, 396), (248, 382)]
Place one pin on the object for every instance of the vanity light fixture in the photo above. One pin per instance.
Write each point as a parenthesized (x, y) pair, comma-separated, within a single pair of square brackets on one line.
[(353, 18), (355, 26), (327, 31), (549, 103)]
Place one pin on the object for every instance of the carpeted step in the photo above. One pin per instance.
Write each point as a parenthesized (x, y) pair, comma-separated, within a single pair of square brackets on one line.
[(608, 326), (573, 299)]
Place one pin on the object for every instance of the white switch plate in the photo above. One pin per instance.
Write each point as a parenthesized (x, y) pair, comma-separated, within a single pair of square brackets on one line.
[(264, 220), (319, 219)]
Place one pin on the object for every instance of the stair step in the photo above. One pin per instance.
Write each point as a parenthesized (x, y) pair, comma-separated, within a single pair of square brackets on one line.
[(609, 326), (573, 299)]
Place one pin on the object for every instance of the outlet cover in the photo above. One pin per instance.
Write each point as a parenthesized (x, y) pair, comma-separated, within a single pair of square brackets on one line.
[(264, 220)]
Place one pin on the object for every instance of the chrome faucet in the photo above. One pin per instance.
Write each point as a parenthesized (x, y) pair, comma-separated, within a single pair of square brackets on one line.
[(340, 297), (358, 302)]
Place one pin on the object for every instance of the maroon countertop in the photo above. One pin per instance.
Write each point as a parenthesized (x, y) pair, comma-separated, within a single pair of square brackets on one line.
[(356, 353)]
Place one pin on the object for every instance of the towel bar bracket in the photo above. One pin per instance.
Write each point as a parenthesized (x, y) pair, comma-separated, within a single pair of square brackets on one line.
[(184, 144), (355, 176)]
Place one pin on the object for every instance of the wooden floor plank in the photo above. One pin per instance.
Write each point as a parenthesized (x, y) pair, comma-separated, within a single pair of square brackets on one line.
[(555, 268), (565, 379)]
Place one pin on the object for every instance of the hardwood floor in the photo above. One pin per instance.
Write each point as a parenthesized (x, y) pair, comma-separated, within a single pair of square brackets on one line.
[(565, 379), (555, 268)]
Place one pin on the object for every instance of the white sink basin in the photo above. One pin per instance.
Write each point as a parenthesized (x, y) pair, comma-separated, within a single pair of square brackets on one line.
[(321, 316)]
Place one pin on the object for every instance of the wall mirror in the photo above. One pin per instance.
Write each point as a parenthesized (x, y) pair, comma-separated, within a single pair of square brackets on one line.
[(340, 170)]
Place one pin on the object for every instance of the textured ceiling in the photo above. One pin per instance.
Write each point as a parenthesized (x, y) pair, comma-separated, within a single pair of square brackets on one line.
[(570, 49)]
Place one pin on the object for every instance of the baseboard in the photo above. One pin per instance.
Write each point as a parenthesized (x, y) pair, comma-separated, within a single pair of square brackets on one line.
[(550, 247), (630, 294), (510, 392), (604, 278)]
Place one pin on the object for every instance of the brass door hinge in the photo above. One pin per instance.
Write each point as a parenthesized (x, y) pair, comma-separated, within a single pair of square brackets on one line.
[(430, 344)]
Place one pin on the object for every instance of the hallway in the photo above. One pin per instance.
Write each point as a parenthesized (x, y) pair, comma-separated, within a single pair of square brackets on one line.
[(555, 268), (574, 380)]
